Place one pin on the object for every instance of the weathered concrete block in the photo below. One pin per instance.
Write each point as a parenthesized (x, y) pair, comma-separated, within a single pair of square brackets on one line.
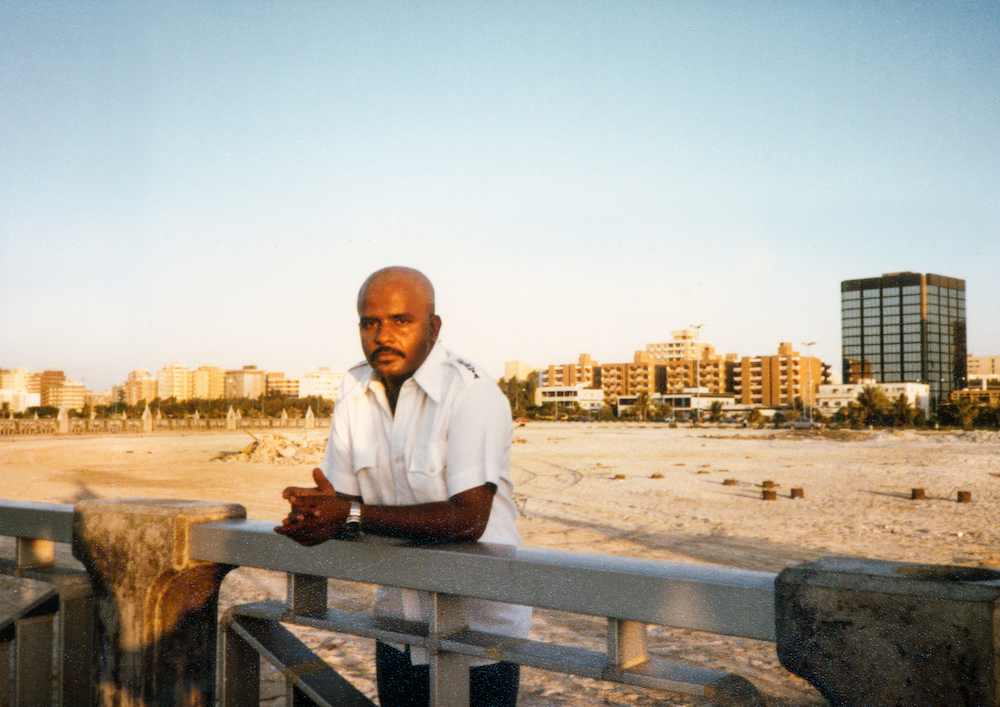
[(156, 607), (870, 633)]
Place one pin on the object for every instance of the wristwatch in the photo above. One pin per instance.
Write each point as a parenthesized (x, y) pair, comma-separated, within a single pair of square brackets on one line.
[(352, 526)]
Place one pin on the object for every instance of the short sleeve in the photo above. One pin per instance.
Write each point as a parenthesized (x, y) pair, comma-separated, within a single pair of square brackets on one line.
[(479, 436), (338, 460)]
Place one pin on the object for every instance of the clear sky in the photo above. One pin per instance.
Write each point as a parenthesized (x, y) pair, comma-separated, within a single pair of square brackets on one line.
[(209, 183)]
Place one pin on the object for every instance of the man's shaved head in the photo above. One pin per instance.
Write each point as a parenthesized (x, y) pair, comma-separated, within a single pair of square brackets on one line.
[(410, 278)]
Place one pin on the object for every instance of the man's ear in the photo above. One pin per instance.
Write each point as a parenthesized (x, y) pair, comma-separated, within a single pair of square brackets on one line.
[(435, 327)]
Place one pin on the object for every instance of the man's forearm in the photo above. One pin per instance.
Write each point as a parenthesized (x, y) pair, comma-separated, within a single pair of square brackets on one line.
[(462, 518)]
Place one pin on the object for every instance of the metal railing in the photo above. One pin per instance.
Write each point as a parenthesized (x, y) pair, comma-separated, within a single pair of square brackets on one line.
[(629, 593), (48, 627)]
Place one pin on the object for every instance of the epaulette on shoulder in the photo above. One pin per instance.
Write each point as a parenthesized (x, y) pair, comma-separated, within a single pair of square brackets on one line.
[(468, 370)]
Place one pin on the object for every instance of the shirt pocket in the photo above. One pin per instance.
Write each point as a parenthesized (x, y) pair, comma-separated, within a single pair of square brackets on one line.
[(426, 472)]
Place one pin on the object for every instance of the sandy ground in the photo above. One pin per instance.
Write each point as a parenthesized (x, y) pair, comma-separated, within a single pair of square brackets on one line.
[(625, 489)]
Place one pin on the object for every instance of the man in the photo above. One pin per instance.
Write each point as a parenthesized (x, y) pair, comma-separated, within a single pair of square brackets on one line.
[(419, 449)]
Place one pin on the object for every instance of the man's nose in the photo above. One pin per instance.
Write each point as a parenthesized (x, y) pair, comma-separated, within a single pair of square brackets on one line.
[(383, 333)]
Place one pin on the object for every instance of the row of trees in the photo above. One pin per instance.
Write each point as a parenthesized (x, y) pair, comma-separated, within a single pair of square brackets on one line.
[(269, 405), (872, 408)]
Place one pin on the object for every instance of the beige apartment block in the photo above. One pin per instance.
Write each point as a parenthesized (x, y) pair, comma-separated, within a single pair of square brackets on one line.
[(68, 394), (139, 387), (774, 381), (977, 366), (47, 382), (208, 383), (280, 383), (14, 379), (175, 381), (685, 346), (571, 374)]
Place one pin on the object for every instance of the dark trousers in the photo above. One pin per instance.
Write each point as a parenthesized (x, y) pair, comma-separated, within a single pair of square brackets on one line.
[(401, 684)]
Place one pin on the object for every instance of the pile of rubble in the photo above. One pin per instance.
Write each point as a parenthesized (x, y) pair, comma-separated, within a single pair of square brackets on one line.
[(277, 449)]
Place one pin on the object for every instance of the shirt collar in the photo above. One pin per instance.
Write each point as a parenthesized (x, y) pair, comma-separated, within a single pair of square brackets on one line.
[(430, 375)]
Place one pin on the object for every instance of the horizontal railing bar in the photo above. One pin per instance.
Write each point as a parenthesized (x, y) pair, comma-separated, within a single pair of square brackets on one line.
[(382, 628), (655, 674), (42, 521), (698, 597)]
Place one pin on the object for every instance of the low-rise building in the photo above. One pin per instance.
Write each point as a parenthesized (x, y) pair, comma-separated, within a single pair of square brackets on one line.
[(831, 398), (580, 395), (983, 390), (19, 400)]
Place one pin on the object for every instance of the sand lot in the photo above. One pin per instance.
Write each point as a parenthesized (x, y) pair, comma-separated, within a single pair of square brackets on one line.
[(626, 489)]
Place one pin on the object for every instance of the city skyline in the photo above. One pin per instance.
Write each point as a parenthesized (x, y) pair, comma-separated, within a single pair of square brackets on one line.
[(213, 183)]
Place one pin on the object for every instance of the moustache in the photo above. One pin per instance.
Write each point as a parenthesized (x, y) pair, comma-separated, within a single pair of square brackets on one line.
[(386, 349)]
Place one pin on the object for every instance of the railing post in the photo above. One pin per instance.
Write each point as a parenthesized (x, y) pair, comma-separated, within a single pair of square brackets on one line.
[(449, 672), (156, 607)]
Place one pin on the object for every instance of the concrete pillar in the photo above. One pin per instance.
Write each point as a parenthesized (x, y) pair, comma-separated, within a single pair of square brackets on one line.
[(870, 633), (147, 420), (230, 419), (156, 607), (62, 426)]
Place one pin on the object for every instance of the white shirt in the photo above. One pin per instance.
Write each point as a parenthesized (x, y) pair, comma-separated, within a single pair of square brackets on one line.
[(451, 432)]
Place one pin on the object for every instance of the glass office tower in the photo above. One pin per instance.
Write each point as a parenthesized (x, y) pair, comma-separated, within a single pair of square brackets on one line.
[(905, 327)]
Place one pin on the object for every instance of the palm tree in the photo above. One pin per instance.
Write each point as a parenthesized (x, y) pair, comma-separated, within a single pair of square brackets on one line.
[(715, 411), (903, 411), (872, 405), (967, 412), (643, 404)]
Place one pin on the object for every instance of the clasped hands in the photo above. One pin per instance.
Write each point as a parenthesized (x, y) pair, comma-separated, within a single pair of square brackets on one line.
[(317, 514)]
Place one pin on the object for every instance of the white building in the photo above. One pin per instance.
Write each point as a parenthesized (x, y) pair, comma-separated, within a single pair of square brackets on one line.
[(831, 398), (585, 398), (321, 382), (685, 402), (19, 400)]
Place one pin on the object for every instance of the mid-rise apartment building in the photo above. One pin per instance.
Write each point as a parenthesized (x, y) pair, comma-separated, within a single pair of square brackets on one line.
[(140, 387), (517, 369), (684, 347), (905, 327), (175, 381), (776, 381), (246, 382), (68, 394), (321, 382), (48, 381), (208, 383), (980, 366), (280, 383), (571, 374), (14, 379)]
